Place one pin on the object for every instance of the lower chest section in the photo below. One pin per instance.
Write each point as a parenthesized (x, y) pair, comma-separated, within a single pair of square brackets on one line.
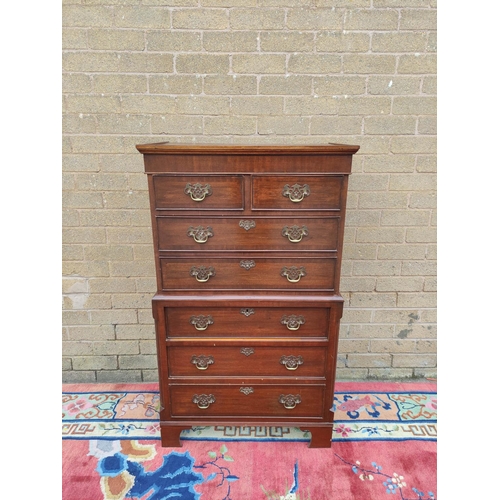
[(237, 358)]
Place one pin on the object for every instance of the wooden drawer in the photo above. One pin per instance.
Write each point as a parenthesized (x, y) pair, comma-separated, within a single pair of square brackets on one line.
[(248, 273), (247, 400), (247, 322), (296, 192), (250, 360), (198, 192), (234, 233)]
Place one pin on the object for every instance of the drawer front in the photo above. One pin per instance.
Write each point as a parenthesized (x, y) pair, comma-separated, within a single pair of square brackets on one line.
[(201, 361), (247, 321), (201, 233), (247, 400), (247, 274), (200, 192), (295, 192)]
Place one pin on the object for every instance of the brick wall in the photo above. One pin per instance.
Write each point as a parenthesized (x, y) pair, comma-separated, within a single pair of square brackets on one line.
[(251, 71)]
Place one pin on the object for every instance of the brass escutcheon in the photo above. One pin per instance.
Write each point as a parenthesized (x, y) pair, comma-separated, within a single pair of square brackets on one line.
[(247, 264), (247, 224), (246, 390), (247, 351)]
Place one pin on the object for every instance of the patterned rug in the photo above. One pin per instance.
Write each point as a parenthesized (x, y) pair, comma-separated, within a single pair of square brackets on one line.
[(383, 443)]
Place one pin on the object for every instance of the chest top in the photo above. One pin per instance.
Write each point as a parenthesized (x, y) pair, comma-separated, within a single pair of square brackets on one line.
[(167, 157)]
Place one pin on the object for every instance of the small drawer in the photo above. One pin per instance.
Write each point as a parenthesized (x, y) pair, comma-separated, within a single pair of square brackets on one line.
[(254, 322), (249, 360), (296, 192), (248, 274), (198, 192), (249, 400), (234, 233)]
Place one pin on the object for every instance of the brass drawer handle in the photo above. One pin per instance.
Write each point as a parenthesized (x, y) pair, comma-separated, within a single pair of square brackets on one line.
[(293, 322), (247, 311), (289, 401), (197, 191), (202, 274), (203, 400), (201, 322), (247, 264), (291, 362), (247, 224), (295, 233), (246, 390), (293, 274), (200, 234), (247, 351), (202, 362), (296, 193)]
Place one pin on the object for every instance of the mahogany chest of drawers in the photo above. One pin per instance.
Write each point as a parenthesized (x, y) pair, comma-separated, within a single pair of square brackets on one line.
[(248, 246)]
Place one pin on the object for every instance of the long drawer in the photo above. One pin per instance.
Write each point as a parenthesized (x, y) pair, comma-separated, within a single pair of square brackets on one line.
[(247, 400), (254, 322), (199, 361), (247, 273), (273, 233)]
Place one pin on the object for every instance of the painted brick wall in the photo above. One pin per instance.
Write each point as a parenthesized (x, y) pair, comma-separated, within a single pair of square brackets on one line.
[(249, 71)]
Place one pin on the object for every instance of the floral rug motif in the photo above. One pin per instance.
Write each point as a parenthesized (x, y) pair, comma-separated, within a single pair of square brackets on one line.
[(111, 450), (374, 415)]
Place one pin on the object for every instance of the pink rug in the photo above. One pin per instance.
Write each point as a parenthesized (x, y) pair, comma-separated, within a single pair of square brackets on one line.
[(384, 443)]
